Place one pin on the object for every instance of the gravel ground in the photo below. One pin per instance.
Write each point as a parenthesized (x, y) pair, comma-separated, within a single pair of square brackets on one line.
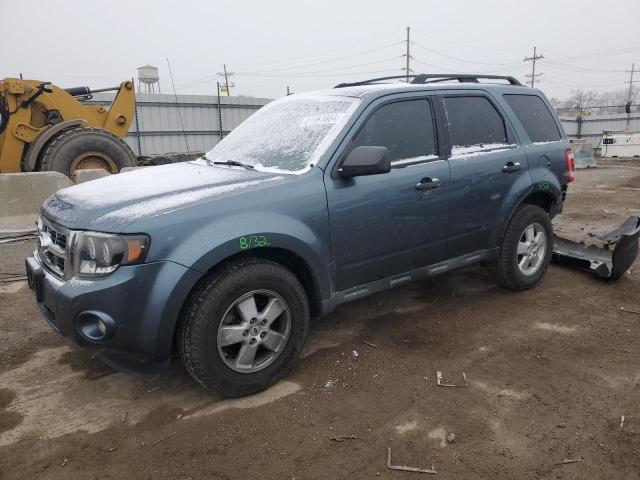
[(550, 374)]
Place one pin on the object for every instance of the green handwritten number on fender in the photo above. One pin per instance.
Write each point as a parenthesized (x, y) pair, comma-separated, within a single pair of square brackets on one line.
[(542, 185), (252, 241)]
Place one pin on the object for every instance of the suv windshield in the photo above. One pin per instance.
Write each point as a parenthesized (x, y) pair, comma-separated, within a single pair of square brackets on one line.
[(288, 135)]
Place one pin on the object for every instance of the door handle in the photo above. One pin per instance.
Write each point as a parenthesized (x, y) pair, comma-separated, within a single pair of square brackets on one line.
[(511, 167), (428, 184)]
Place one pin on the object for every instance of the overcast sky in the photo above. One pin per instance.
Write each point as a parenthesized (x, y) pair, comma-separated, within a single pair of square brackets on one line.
[(587, 44)]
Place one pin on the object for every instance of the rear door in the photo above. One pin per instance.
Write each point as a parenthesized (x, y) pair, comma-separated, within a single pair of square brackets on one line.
[(485, 161), (386, 224), (541, 134)]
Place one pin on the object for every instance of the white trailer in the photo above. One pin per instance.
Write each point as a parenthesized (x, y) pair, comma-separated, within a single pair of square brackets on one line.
[(619, 144)]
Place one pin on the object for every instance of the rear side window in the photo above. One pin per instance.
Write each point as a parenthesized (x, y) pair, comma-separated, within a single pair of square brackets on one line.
[(535, 117), (405, 128), (474, 121)]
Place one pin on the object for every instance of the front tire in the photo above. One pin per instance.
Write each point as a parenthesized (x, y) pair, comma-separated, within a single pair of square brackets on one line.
[(244, 327), (526, 249)]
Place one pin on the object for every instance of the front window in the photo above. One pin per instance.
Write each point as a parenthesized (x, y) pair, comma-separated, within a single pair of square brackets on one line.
[(405, 128), (288, 135)]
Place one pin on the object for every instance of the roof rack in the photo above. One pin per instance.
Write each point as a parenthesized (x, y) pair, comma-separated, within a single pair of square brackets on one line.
[(423, 78)]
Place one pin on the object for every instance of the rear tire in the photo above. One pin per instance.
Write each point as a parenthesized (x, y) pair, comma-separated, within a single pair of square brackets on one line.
[(522, 261), (82, 147), (214, 327)]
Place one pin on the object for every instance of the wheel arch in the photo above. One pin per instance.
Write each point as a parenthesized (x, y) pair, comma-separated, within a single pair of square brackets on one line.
[(287, 258), (544, 198)]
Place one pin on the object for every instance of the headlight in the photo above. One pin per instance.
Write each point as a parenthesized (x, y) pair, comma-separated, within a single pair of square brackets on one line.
[(98, 254)]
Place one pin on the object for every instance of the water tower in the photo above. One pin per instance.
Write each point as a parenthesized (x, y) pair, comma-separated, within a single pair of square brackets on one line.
[(148, 76)]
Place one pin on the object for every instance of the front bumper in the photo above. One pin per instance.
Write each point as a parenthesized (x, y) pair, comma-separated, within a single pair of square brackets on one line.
[(609, 255), (144, 302)]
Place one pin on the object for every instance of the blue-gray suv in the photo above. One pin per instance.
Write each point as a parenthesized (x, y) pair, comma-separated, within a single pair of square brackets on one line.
[(316, 200)]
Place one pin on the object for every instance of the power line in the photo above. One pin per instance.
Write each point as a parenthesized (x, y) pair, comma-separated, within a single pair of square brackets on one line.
[(313, 75), (579, 69), (461, 59), (324, 52), (533, 67), (334, 69), (330, 60), (565, 83), (590, 56)]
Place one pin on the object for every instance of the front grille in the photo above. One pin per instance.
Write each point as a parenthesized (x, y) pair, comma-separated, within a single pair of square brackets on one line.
[(58, 238), (52, 247)]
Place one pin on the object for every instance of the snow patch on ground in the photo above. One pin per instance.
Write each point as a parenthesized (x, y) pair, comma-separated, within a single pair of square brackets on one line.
[(407, 427), (552, 327)]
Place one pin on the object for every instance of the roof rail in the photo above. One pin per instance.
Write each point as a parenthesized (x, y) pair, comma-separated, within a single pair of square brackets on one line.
[(423, 78)]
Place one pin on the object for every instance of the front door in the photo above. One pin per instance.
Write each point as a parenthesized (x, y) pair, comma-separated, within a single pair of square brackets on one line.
[(391, 223)]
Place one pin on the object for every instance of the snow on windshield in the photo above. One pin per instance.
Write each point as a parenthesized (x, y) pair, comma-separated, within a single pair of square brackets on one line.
[(288, 135)]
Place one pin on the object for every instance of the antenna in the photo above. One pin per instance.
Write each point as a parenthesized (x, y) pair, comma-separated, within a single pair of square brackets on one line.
[(175, 95)]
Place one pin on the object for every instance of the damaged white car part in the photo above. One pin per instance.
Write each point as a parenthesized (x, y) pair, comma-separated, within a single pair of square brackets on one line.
[(609, 256)]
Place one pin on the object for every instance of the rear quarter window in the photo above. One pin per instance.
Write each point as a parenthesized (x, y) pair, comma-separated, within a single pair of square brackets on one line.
[(535, 117)]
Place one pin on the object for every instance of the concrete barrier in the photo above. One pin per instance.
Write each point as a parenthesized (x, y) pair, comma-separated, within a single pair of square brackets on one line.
[(21, 196), (583, 154)]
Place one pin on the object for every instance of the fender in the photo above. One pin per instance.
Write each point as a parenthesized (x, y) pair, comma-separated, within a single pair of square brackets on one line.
[(539, 181), (206, 234), (290, 234)]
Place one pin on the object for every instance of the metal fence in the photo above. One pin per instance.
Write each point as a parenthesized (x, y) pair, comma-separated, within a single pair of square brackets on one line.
[(157, 129)]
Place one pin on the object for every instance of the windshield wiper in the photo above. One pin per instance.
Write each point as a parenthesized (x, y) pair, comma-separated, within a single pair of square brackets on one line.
[(233, 163), (207, 159)]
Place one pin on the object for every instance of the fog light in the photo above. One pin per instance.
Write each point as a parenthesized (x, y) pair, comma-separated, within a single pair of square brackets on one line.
[(95, 326)]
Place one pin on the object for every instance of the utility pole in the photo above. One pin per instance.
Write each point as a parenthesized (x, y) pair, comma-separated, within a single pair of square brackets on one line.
[(533, 59), (226, 76), (408, 55), (226, 79), (631, 82)]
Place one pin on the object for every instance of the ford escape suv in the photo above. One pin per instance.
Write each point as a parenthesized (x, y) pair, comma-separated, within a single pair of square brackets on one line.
[(316, 200)]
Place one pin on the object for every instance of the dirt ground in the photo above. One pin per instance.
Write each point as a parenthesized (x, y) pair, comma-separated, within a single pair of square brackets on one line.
[(550, 374)]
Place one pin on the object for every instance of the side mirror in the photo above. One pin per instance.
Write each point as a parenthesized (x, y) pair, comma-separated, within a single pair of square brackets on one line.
[(365, 160)]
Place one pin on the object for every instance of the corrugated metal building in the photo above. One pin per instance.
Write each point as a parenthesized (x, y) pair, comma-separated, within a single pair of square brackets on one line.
[(159, 126), (593, 126), (160, 130)]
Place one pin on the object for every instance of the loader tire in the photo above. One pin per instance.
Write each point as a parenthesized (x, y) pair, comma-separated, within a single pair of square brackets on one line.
[(84, 147)]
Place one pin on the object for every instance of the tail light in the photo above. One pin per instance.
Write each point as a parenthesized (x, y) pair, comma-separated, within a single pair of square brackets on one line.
[(571, 164)]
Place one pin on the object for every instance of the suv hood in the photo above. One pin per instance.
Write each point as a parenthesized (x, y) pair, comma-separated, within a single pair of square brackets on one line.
[(113, 202)]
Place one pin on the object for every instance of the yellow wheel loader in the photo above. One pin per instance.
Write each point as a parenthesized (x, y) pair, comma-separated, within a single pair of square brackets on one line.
[(43, 127)]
